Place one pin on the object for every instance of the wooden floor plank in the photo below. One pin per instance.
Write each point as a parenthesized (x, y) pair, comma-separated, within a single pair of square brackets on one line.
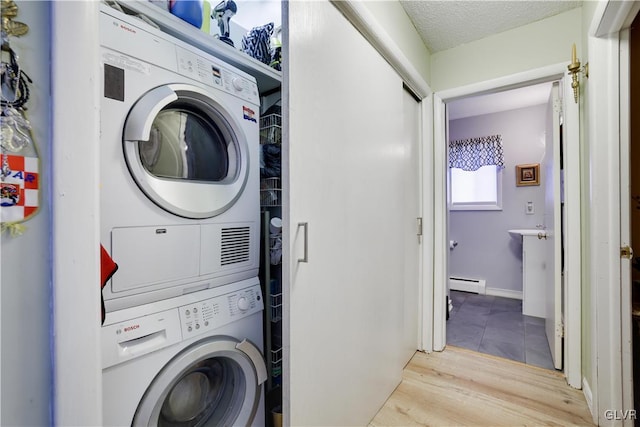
[(464, 388)]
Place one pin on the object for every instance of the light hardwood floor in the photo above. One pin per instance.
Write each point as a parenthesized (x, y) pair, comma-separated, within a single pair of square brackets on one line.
[(459, 387)]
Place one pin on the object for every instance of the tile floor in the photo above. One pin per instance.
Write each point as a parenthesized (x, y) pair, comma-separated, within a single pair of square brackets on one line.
[(496, 326)]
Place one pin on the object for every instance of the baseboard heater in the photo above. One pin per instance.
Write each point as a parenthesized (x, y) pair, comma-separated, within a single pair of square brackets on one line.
[(477, 286)]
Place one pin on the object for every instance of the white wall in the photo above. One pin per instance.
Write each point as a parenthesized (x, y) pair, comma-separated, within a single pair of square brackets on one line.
[(25, 385), (393, 18), (485, 249), (536, 45)]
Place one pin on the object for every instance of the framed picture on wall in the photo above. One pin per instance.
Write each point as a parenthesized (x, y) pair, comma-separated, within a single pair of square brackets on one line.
[(528, 174)]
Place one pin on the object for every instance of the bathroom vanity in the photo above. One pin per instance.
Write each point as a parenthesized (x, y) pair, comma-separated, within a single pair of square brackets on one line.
[(533, 271)]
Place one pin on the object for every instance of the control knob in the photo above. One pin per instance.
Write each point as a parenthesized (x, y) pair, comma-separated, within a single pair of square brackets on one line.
[(237, 84), (243, 304)]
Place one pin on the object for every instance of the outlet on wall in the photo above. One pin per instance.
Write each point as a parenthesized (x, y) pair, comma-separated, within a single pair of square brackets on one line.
[(529, 208)]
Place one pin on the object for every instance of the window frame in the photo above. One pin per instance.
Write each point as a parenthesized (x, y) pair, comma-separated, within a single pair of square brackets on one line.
[(477, 206)]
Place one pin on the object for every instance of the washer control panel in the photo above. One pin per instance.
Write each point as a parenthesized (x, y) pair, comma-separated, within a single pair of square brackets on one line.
[(202, 316)]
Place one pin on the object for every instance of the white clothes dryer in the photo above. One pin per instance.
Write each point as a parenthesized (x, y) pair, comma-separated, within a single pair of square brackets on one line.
[(179, 165), (193, 360)]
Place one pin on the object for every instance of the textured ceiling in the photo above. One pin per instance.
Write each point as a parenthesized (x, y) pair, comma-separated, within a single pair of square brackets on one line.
[(446, 24)]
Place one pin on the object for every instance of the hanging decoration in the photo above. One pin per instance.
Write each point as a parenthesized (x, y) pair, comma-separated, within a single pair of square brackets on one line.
[(473, 153), (19, 161)]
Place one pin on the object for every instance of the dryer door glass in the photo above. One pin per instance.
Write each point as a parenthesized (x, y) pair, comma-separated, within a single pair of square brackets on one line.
[(187, 152), (185, 145)]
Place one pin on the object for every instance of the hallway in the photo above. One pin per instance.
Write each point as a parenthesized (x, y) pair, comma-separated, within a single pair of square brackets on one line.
[(464, 388)]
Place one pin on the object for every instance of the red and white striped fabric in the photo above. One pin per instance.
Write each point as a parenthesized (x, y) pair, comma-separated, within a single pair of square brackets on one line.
[(19, 190)]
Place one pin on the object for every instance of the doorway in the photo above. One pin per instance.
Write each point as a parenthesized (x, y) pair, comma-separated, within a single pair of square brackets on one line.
[(570, 325), (486, 259)]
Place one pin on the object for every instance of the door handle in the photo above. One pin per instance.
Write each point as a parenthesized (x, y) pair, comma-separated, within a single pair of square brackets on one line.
[(305, 257), (542, 235)]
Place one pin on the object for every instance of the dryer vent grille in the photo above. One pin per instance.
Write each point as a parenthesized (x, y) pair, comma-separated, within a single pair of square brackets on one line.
[(236, 245)]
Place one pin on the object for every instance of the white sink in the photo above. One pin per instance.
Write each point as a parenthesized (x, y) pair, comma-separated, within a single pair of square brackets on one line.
[(525, 232)]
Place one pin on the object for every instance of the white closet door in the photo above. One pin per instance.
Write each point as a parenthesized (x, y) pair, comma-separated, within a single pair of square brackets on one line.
[(347, 161), (553, 224)]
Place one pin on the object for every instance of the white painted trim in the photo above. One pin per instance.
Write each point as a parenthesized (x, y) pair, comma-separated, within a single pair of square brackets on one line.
[(608, 104), (608, 341), (539, 75), (625, 226), (614, 15), (572, 235), (605, 225), (426, 292), (286, 220), (421, 246), (440, 236), (513, 81), (504, 293), (77, 388), (625, 223), (586, 390), (366, 23)]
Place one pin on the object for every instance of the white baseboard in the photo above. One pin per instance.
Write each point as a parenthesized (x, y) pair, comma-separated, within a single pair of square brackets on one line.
[(505, 293), (588, 396)]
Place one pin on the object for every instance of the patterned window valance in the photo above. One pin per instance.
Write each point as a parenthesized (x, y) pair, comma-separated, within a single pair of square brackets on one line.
[(473, 153)]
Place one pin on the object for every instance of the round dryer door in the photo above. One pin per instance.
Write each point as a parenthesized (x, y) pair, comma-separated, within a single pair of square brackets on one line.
[(185, 151), (214, 382)]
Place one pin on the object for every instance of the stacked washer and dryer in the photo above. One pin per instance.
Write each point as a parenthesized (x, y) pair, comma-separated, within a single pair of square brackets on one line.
[(182, 337)]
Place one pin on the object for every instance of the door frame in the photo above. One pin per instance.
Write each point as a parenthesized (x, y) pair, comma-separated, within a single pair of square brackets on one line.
[(608, 98), (573, 357), (75, 215)]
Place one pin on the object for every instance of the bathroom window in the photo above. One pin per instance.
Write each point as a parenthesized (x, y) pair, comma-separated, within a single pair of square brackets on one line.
[(476, 190), (475, 173)]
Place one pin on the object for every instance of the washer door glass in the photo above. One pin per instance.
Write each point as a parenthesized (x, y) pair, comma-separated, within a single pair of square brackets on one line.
[(185, 145), (208, 392), (211, 383), (186, 151)]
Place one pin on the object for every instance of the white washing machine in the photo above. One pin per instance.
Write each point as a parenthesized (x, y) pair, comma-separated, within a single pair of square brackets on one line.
[(179, 165), (186, 361)]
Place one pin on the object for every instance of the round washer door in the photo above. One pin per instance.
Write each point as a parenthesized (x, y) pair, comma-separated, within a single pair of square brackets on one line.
[(214, 382), (186, 151)]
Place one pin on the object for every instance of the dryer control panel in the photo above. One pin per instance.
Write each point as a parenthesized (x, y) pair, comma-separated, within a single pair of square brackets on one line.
[(202, 316), (213, 73)]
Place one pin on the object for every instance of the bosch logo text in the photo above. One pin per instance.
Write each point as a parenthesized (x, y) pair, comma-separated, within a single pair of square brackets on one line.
[(131, 30), (131, 328)]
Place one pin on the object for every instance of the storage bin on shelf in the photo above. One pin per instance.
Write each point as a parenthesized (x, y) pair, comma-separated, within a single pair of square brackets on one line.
[(271, 129), (276, 307), (270, 192), (276, 362)]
